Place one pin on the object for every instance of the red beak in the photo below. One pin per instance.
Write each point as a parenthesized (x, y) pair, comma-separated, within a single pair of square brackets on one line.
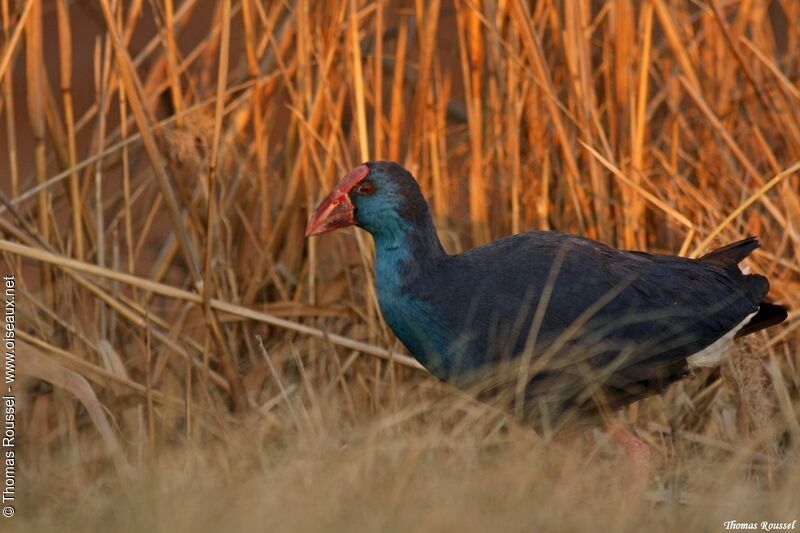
[(336, 210)]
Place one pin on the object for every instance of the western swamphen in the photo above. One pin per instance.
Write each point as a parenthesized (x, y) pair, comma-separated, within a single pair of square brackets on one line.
[(563, 326)]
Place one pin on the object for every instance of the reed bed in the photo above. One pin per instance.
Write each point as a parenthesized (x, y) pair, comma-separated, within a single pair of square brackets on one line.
[(187, 360)]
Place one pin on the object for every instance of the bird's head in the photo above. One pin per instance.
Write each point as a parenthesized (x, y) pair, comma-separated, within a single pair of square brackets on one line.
[(377, 196)]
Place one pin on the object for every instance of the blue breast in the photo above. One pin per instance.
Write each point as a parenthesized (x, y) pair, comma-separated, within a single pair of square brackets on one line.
[(413, 321)]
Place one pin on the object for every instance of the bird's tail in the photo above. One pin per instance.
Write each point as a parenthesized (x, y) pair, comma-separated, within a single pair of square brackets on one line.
[(728, 257), (732, 253), (755, 286), (768, 315)]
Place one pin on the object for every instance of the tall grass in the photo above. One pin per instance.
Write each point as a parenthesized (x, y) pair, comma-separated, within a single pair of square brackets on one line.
[(153, 213)]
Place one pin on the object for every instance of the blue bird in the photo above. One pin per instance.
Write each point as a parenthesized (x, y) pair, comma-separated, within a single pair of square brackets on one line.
[(561, 326)]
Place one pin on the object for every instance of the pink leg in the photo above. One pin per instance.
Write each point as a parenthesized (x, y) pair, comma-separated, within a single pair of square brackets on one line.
[(638, 452)]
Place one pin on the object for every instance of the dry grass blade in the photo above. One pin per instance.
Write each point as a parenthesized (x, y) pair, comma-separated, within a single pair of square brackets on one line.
[(544, 80), (132, 90), (671, 32), (358, 81), (11, 44), (94, 373), (744, 205), (173, 292), (774, 69), (34, 364), (228, 360), (65, 50), (666, 208)]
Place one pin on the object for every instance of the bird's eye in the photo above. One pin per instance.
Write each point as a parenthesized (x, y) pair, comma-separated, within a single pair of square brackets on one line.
[(365, 187)]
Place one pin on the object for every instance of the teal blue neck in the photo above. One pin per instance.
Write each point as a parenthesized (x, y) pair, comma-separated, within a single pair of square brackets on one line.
[(402, 254)]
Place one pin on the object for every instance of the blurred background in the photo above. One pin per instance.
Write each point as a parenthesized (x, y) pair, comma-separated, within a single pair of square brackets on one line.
[(187, 360)]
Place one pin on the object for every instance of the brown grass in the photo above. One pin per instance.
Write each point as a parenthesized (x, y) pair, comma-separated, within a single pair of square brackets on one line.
[(154, 210)]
